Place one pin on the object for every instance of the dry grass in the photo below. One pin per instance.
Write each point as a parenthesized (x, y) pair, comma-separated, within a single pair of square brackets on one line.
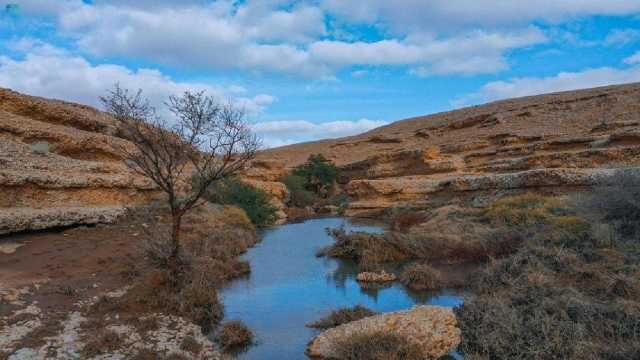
[(342, 316), (190, 344), (405, 220), (421, 277), (377, 346), (233, 335), (101, 342), (562, 295)]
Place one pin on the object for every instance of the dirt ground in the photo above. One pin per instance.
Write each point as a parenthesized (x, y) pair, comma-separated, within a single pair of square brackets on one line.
[(62, 266)]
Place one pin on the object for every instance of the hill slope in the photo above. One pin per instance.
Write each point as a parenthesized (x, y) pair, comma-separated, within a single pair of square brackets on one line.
[(553, 143)]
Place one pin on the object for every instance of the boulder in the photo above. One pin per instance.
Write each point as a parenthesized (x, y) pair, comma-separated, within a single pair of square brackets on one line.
[(432, 327)]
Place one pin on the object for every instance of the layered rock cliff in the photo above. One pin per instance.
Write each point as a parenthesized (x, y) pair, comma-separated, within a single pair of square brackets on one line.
[(59, 166), (550, 143)]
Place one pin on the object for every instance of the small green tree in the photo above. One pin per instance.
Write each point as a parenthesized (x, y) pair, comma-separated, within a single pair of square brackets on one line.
[(255, 202), (298, 194), (319, 174)]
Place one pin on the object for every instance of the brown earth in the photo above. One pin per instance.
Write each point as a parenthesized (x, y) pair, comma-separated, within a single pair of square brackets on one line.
[(549, 143)]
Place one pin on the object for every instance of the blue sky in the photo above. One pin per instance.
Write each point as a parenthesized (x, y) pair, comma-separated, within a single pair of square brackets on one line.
[(313, 69)]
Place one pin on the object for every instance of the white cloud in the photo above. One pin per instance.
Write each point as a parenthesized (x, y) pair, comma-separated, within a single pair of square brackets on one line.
[(622, 37), (633, 59), (279, 133), (477, 52), (455, 15), (563, 81), (275, 36), (52, 72)]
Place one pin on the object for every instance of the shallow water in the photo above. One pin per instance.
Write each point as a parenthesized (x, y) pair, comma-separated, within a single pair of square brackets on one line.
[(290, 287)]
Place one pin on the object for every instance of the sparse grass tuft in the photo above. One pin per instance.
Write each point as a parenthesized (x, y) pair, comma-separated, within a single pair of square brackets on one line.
[(421, 277), (190, 344), (377, 346), (101, 342), (342, 316)]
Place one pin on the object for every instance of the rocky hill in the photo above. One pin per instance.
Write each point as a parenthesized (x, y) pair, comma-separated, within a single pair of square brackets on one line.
[(549, 143), (59, 166)]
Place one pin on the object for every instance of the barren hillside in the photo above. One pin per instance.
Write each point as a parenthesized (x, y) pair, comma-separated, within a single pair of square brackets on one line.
[(550, 143)]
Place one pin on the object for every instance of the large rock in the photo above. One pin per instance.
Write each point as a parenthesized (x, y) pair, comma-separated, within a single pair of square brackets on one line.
[(432, 327), (23, 219)]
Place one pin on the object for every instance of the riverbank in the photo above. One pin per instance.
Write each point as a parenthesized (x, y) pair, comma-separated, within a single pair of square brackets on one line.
[(63, 292)]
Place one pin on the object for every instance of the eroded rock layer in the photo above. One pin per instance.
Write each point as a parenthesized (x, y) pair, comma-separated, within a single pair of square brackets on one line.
[(59, 166), (552, 143)]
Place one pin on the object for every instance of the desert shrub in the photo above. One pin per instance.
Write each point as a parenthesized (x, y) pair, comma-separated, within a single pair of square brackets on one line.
[(342, 316), (234, 334), (421, 277), (299, 195), (524, 210), (617, 204), (256, 203), (475, 244), (562, 295), (190, 344), (404, 220), (101, 342), (319, 174), (377, 345)]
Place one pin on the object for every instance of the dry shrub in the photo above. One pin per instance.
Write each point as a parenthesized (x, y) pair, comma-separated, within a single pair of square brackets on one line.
[(377, 345), (101, 342), (190, 344), (560, 296), (233, 335), (421, 277), (524, 210), (342, 316), (405, 220), (437, 241)]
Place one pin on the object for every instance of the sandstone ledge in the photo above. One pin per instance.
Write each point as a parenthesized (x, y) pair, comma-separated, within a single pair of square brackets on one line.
[(22, 219), (433, 327)]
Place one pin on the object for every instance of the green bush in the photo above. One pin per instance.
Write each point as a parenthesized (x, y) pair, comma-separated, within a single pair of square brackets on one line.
[(298, 193), (255, 202), (319, 174)]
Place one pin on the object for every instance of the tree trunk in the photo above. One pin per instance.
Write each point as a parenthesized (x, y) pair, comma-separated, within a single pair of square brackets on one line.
[(176, 222), (174, 261)]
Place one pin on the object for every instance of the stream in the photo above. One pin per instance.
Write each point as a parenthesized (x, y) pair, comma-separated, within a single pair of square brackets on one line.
[(289, 287)]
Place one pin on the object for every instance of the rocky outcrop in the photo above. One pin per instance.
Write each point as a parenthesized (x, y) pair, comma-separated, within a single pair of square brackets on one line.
[(60, 165), (555, 143), (23, 219), (433, 328)]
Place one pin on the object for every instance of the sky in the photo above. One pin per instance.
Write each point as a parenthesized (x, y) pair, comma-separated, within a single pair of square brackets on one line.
[(312, 69)]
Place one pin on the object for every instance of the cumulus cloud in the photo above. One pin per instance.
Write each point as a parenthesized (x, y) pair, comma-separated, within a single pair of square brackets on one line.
[(276, 36), (622, 37), (563, 81), (279, 133), (53, 72), (456, 15)]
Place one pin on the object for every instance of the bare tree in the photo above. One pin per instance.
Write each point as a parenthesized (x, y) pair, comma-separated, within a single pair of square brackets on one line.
[(208, 141)]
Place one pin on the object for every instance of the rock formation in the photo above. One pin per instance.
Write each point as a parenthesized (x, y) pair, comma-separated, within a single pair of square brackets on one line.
[(551, 143), (59, 166), (432, 327)]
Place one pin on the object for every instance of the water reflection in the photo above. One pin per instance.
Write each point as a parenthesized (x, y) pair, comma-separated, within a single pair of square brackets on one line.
[(289, 287)]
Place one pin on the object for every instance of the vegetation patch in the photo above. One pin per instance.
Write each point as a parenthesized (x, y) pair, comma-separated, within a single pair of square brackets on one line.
[(312, 182), (256, 203), (570, 292), (342, 316), (421, 277), (378, 346), (234, 335)]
